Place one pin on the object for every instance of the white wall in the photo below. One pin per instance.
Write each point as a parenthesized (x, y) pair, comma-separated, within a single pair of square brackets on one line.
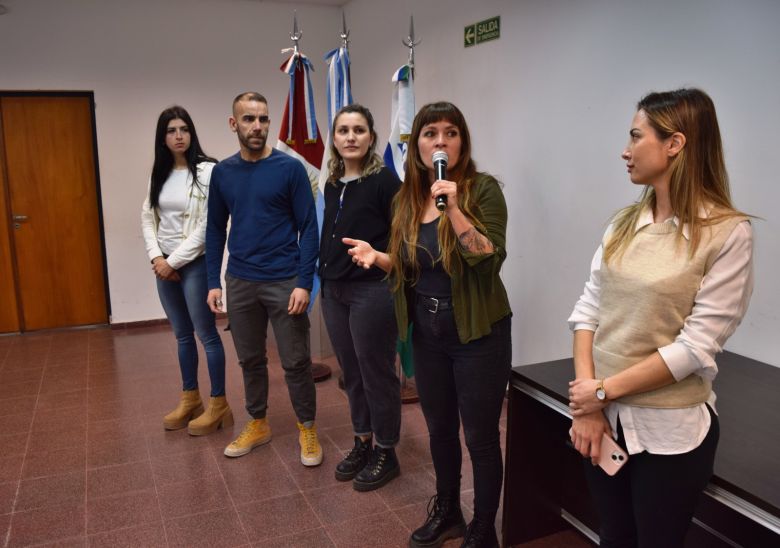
[(549, 105), (139, 57)]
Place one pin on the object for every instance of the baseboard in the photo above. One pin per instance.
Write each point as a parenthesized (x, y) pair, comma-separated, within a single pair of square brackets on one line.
[(151, 323)]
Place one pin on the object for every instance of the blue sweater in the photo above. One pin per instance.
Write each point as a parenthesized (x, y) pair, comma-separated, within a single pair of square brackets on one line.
[(273, 232)]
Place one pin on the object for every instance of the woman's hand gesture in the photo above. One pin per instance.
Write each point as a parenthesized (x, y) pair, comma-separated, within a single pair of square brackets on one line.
[(362, 253)]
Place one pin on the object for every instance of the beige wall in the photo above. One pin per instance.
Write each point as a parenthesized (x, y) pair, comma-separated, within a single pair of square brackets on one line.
[(549, 105), (140, 57)]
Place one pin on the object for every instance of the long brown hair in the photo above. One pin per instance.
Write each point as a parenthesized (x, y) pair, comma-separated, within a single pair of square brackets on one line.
[(372, 162), (410, 201), (698, 172)]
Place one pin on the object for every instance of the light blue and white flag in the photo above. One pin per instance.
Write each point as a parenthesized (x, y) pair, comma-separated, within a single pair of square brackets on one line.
[(339, 95), (401, 118)]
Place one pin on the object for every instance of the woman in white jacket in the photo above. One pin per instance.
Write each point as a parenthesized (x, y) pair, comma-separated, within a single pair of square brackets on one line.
[(173, 220)]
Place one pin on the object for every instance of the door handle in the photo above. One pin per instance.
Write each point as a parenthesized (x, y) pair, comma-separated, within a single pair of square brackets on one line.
[(21, 218)]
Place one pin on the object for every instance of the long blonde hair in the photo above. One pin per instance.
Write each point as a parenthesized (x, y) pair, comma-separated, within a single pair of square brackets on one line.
[(372, 162), (698, 172), (410, 201)]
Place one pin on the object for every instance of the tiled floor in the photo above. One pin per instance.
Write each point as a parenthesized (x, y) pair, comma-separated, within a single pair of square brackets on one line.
[(84, 459)]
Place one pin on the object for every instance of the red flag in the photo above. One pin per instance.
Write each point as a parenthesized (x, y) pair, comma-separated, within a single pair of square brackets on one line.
[(299, 135)]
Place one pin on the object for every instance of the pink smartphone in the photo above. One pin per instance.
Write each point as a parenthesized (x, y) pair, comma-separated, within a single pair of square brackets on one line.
[(612, 457)]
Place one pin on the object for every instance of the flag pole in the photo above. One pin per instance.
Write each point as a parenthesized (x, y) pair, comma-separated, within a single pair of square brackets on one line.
[(408, 386), (410, 43), (296, 34), (319, 371), (344, 32)]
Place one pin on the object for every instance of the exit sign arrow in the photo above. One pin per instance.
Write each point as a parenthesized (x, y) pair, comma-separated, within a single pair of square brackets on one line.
[(470, 36)]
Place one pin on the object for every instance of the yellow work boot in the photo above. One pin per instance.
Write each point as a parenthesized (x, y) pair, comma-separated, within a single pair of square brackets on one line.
[(256, 432), (218, 415), (311, 450), (189, 408)]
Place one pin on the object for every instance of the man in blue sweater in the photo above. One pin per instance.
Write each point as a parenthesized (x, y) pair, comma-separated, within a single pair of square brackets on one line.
[(273, 249)]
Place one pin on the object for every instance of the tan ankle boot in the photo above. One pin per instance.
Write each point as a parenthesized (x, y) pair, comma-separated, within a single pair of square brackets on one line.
[(189, 407), (217, 415)]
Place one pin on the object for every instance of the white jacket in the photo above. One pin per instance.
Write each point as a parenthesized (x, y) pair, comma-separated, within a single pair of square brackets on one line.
[(193, 223)]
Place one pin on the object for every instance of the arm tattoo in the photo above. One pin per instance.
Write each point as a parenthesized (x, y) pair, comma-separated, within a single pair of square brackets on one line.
[(474, 242)]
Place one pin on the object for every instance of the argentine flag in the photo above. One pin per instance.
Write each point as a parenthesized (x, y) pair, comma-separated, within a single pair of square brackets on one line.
[(401, 118)]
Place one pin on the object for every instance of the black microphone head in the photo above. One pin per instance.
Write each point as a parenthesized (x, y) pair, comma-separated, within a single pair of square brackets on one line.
[(440, 156)]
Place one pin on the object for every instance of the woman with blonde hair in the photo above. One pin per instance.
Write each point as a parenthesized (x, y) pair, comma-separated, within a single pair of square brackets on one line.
[(444, 268), (669, 284), (356, 303)]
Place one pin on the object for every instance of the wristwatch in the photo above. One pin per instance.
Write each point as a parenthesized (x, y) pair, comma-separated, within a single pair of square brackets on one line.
[(601, 394)]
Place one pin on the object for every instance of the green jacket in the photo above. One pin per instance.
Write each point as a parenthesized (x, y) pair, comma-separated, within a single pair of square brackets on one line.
[(478, 296)]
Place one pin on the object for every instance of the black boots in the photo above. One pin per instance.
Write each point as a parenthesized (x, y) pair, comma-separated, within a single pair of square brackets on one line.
[(445, 521), (381, 468), (355, 461), (481, 533), (368, 468)]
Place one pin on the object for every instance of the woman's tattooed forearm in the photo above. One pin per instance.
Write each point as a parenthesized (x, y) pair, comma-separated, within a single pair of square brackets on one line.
[(474, 242)]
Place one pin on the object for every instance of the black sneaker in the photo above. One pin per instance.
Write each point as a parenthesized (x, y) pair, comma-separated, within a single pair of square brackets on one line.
[(381, 468), (355, 461), (481, 533), (445, 521)]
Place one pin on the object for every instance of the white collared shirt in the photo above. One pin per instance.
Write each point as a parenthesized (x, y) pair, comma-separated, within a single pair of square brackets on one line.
[(719, 306)]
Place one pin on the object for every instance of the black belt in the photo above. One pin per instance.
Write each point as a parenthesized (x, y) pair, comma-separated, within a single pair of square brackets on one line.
[(434, 304)]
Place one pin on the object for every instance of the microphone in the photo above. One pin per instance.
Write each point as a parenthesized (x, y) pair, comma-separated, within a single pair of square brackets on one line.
[(440, 160)]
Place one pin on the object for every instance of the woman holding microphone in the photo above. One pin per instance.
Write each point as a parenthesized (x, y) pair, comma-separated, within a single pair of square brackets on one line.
[(444, 265)]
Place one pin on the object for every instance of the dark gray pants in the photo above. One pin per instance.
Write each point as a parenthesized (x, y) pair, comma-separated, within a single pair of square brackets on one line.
[(463, 383), (250, 306), (362, 328)]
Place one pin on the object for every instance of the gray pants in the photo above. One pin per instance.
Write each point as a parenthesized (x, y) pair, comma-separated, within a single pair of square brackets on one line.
[(250, 306)]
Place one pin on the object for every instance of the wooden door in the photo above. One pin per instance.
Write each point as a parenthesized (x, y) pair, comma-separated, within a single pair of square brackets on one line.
[(9, 311), (51, 186)]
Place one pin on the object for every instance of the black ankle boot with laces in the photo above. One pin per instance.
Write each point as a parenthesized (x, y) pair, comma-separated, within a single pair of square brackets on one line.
[(355, 461), (381, 468), (445, 521), (481, 533)]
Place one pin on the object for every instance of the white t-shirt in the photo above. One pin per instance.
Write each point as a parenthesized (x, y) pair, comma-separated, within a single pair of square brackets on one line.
[(173, 202)]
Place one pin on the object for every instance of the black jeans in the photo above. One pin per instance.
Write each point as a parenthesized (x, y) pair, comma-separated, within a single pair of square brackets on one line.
[(650, 501), (250, 306), (465, 382), (361, 324)]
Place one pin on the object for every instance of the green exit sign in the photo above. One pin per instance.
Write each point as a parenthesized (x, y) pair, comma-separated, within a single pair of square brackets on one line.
[(489, 29)]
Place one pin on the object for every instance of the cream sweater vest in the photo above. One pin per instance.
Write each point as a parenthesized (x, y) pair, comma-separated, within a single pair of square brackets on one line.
[(646, 295)]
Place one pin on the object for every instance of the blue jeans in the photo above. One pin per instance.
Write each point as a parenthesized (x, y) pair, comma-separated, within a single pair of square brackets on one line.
[(185, 305), (361, 324), (463, 382)]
